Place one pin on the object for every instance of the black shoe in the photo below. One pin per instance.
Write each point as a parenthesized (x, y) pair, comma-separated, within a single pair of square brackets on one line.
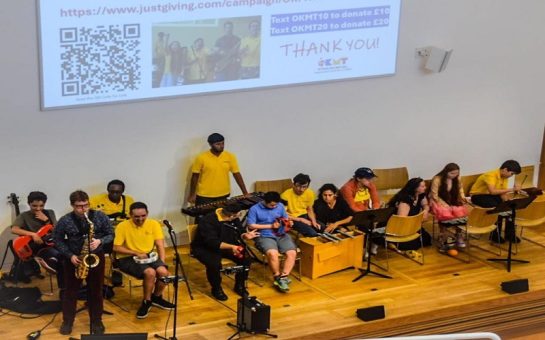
[(241, 290), (494, 237), (219, 294), (66, 328), (158, 301), (97, 327), (143, 310)]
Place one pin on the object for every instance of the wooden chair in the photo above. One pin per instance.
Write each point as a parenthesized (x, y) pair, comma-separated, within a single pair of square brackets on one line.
[(404, 229), (479, 222), (531, 217), (526, 175), (278, 185), (468, 181), (390, 181)]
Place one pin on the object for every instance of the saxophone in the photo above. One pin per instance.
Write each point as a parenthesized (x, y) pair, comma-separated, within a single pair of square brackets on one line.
[(88, 260)]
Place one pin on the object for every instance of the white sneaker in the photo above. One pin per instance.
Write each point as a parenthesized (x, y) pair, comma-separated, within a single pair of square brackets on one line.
[(374, 249)]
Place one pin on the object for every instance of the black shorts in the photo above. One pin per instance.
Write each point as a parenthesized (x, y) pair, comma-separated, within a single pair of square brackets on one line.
[(129, 266)]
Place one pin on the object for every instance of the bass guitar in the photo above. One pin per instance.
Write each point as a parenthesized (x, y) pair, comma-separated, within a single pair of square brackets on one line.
[(25, 247)]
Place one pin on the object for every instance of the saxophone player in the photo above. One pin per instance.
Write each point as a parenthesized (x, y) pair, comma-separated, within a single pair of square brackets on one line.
[(80, 232)]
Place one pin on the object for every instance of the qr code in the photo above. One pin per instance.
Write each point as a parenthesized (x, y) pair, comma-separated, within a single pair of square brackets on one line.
[(100, 60)]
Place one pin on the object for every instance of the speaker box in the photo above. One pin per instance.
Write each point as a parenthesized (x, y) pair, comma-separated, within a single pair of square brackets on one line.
[(254, 314), (515, 286), (371, 313), (116, 336)]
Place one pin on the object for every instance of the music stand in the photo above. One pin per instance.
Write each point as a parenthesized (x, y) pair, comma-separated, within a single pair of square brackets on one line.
[(510, 228), (366, 221)]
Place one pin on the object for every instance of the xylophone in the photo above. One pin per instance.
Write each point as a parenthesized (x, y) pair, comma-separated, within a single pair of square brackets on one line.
[(245, 203)]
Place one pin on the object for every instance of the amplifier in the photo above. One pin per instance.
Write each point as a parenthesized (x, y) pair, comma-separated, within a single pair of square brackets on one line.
[(257, 315)]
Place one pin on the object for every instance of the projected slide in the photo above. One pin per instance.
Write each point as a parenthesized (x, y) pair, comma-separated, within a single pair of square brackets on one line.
[(101, 51)]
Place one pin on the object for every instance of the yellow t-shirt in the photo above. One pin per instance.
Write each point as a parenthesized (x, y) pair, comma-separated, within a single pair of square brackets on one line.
[(480, 187), (140, 239), (298, 204), (214, 173), (362, 195), (102, 203), (251, 47)]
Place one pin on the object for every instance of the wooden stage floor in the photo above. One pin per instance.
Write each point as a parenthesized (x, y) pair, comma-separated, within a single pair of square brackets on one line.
[(444, 295)]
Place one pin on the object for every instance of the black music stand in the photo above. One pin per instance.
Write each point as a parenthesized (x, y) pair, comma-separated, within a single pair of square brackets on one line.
[(510, 228), (366, 221)]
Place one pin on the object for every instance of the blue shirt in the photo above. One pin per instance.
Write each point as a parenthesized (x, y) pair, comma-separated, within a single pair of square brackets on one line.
[(260, 214)]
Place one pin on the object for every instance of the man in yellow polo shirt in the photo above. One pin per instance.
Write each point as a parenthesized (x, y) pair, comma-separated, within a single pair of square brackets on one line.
[(299, 202), (210, 180), (113, 203), (137, 237), (491, 188)]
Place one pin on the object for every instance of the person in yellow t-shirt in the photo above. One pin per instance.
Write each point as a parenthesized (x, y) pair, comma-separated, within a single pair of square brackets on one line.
[(299, 202), (113, 203), (491, 188), (250, 52), (137, 237), (210, 179)]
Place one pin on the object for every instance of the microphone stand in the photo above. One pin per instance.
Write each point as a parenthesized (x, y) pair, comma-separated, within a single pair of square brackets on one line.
[(178, 265)]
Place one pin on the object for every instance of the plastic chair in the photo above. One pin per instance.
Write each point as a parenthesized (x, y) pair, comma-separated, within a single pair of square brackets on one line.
[(278, 185), (404, 229), (389, 181), (479, 222), (531, 217)]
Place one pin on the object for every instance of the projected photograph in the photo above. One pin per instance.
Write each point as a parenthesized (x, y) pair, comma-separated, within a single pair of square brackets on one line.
[(206, 51)]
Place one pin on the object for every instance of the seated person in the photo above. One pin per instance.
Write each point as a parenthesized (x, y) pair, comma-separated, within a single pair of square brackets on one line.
[(264, 216), (491, 188), (410, 201), (299, 206), (113, 203), (330, 209), (137, 237), (447, 201), (29, 222), (360, 192), (218, 236)]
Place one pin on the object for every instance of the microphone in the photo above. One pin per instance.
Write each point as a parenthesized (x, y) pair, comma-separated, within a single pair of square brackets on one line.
[(169, 226)]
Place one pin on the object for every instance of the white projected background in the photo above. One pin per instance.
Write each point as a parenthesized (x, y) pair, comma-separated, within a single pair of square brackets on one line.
[(105, 51)]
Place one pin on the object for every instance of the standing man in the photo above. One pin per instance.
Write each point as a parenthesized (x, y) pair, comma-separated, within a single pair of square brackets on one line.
[(250, 52), (227, 61), (28, 223), (491, 188), (113, 203), (210, 180), (219, 236), (300, 202), (69, 235), (137, 237)]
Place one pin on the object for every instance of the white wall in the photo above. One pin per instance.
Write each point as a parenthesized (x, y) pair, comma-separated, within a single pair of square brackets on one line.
[(485, 108)]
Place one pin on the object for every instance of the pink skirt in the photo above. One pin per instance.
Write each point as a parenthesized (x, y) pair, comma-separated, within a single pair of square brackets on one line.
[(450, 212)]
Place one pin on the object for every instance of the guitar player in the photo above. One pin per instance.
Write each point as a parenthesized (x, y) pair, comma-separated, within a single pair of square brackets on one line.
[(226, 52), (28, 223)]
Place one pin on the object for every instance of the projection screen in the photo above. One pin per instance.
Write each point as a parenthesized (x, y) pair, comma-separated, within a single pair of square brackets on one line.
[(102, 51)]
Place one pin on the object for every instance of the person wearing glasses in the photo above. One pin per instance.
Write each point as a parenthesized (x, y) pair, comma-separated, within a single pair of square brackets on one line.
[(299, 206), (69, 235)]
